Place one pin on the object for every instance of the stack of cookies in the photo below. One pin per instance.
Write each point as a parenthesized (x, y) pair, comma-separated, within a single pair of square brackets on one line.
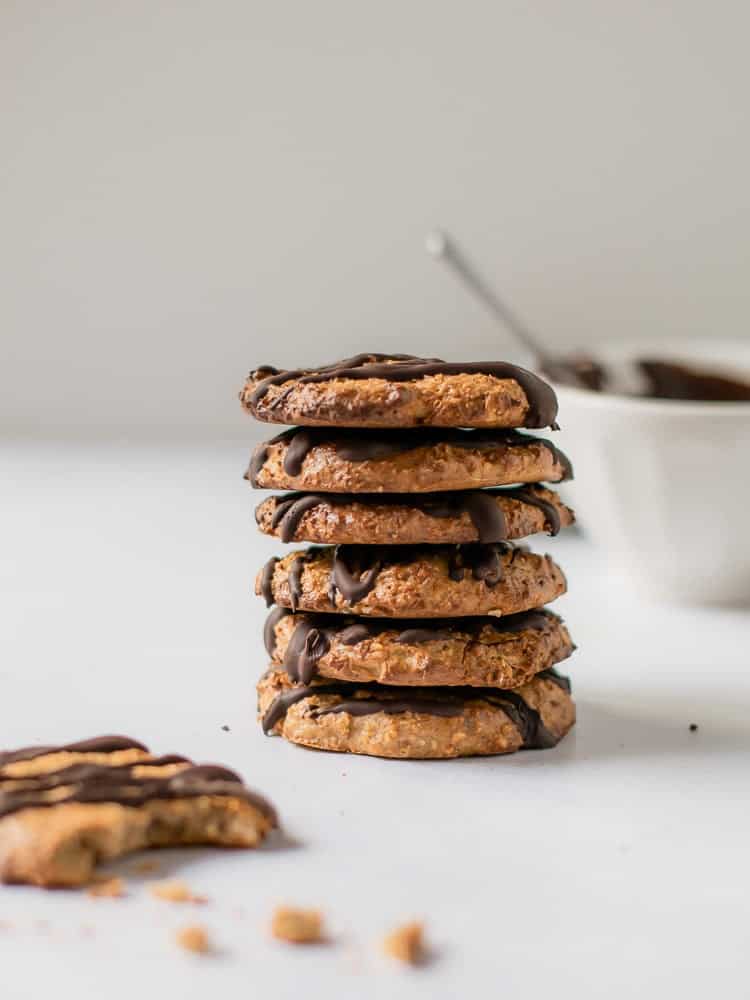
[(413, 626)]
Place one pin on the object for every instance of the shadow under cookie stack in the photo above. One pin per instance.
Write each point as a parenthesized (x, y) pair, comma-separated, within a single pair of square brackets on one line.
[(413, 626)]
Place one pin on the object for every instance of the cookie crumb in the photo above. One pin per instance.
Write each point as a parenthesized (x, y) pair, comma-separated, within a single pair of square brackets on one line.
[(693, 727), (193, 938), (113, 888), (175, 891), (146, 867), (406, 943), (297, 926), (226, 729)]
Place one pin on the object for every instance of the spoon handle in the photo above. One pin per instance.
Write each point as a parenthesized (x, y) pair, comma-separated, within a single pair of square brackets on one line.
[(442, 247)]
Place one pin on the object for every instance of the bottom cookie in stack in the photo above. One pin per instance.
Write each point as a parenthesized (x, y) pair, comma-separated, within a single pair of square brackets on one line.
[(411, 722), (497, 693)]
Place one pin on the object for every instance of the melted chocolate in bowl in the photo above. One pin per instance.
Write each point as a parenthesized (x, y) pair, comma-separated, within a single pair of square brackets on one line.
[(653, 378), (649, 453)]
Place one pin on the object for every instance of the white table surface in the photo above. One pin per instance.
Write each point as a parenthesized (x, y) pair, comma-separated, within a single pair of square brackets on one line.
[(614, 865)]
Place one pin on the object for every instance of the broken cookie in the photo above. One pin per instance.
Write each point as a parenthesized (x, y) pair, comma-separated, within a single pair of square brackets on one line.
[(65, 808)]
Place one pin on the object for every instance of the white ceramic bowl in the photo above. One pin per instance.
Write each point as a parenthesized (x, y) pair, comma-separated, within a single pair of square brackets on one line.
[(662, 486)]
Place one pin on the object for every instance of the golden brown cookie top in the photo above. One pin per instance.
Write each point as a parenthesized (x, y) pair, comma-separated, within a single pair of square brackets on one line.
[(407, 461), (400, 390), (412, 581), (110, 769), (410, 518)]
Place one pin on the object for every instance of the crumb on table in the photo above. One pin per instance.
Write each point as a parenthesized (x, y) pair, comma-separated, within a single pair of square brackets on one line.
[(193, 938), (297, 926), (175, 891), (114, 888), (406, 943)]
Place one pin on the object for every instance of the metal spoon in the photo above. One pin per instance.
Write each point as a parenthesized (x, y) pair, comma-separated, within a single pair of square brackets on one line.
[(439, 245), (579, 370)]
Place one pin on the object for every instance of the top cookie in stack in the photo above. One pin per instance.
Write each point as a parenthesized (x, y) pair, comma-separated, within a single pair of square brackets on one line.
[(390, 460)]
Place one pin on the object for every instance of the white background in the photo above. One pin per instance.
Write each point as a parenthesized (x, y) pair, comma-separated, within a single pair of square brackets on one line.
[(190, 188)]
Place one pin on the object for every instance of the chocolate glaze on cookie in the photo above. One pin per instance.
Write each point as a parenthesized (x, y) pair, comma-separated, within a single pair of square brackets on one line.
[(541, 398), (372, 445), (295, 577), (427, 701), (98, 783), (100, 744), (484, 561), (312, 636), (266, 580), (481, 505), (355, 568)]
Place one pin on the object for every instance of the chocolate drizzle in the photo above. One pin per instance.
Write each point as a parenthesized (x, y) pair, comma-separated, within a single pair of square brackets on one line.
[(295, 577), (300, 443), (354, 572), (482, 506), (373, 445), (306, 646), (314, 633), (552, 675), (100, 744), (542, 402), (367, 699), (98, 783), (355, 568), (266, 580), (525, 494), (484, 561), (289, 512), (269, 629)]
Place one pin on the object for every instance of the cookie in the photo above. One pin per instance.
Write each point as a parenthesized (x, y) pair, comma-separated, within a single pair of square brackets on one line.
[(427, 461), (399, 390), (409, 722), (65, 808), (476, 652), (407, 518), (412, 581)]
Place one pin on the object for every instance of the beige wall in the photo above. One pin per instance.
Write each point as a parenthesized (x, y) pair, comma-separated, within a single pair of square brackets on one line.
[(190, 188)]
